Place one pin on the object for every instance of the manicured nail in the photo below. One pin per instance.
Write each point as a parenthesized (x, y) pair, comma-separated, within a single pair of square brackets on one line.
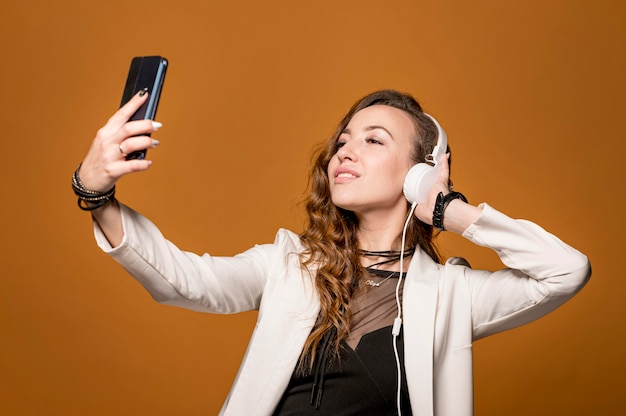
[(156, 125), (155, 143), (143, 92)]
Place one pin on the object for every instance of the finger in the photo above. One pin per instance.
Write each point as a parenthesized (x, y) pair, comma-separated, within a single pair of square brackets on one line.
[(100, 175), (135, 128), (124, 167), (444, 165), (115, 170), (134, 144), (125, 112)]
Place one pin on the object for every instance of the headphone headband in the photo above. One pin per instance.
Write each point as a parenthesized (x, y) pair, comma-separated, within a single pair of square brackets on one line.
[(421, 177), (442, 142)]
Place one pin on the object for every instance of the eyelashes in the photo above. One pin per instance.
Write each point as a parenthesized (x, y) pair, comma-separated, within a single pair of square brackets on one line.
[(370, 140)]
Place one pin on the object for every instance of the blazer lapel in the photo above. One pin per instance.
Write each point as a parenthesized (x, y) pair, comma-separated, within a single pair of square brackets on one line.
[(419, 306), (289, 310)]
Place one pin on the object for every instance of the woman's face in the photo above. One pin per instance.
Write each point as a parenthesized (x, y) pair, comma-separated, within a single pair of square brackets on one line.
[(373, 156)]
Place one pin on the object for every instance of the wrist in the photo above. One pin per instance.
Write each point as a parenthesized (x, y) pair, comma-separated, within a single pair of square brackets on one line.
[(89, 200), (441, 204)]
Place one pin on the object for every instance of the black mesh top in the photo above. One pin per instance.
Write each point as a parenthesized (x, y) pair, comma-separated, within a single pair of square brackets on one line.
[(364, 379)]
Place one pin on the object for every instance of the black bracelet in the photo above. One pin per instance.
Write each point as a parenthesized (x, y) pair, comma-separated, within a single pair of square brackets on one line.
[(96, 199), (440, 207)]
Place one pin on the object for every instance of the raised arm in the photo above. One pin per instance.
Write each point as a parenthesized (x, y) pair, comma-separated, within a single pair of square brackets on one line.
[(105, 162)]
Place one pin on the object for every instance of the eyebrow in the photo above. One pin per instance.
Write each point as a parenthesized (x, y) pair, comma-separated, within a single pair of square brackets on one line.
[(369, 128)]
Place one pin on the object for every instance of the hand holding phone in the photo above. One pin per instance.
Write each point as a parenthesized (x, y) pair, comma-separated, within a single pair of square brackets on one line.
[(146, 73)]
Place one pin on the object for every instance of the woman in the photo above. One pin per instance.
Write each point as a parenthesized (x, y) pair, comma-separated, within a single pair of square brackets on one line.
[(332, 299)]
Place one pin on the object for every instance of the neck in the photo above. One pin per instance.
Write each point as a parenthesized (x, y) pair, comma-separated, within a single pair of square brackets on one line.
[(381, 232)]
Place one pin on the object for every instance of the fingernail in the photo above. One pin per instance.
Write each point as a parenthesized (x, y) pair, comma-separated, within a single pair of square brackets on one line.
[(156, 125), (155, 143), (143, 92)]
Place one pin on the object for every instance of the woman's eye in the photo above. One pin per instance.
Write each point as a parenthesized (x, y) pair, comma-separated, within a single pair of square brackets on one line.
[(339, 145), (373, 140)]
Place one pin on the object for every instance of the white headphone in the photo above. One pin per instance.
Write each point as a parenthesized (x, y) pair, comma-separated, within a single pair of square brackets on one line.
[(421, 177), (418, 181)]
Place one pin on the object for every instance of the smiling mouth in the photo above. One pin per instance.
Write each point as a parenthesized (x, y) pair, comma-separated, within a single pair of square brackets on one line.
[(345, 175)]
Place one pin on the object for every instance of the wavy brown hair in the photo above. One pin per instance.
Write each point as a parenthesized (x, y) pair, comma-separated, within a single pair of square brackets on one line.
[(331, 252)]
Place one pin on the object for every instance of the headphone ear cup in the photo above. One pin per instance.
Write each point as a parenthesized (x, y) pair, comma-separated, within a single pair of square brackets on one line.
[(418, 181)]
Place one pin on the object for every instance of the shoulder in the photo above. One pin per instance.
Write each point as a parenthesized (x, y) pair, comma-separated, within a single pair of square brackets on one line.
[(457, 261), (458, 270), (288, 239), (282, 253)]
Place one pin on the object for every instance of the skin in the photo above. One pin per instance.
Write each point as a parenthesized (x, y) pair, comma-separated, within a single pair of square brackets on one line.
[(366, 174), (105, 164)]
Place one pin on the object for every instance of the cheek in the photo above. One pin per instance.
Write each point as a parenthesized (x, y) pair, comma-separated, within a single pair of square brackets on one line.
[(396, 175), (398, 168), (332, 165), (405, 164)]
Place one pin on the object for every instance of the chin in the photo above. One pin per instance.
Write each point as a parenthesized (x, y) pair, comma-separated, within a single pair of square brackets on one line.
[(359, 206), (344, 204)]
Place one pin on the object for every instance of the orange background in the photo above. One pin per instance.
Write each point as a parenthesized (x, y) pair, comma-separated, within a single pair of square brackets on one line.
[(532, 95)]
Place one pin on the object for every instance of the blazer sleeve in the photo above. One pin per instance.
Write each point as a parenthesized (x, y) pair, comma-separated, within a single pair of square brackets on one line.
[(175, 277), (542, 273)]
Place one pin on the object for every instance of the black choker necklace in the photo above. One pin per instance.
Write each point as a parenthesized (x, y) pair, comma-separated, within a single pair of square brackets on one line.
[(391, 256)]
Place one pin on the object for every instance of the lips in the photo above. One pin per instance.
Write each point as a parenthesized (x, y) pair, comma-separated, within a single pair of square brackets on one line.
[(344, 174)]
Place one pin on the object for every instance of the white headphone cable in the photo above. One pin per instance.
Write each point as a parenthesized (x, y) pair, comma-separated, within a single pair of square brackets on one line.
[(397, 323)]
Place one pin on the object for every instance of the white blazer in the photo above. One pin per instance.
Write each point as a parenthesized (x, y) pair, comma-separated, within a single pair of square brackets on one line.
[(445, 307)]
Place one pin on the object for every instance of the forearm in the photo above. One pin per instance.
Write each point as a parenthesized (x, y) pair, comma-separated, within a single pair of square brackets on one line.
[(526, 246), (184, 279), (542, 273), (109, 219), (459, 215)]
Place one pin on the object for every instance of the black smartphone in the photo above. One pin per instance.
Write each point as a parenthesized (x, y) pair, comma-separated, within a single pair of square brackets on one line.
[(145, 73)]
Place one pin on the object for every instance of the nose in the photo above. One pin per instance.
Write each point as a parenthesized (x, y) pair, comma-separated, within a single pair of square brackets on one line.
[(346, 152)]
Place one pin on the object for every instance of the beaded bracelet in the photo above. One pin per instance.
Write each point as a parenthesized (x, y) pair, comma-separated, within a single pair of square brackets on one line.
[(440, 207), (94, 198)]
